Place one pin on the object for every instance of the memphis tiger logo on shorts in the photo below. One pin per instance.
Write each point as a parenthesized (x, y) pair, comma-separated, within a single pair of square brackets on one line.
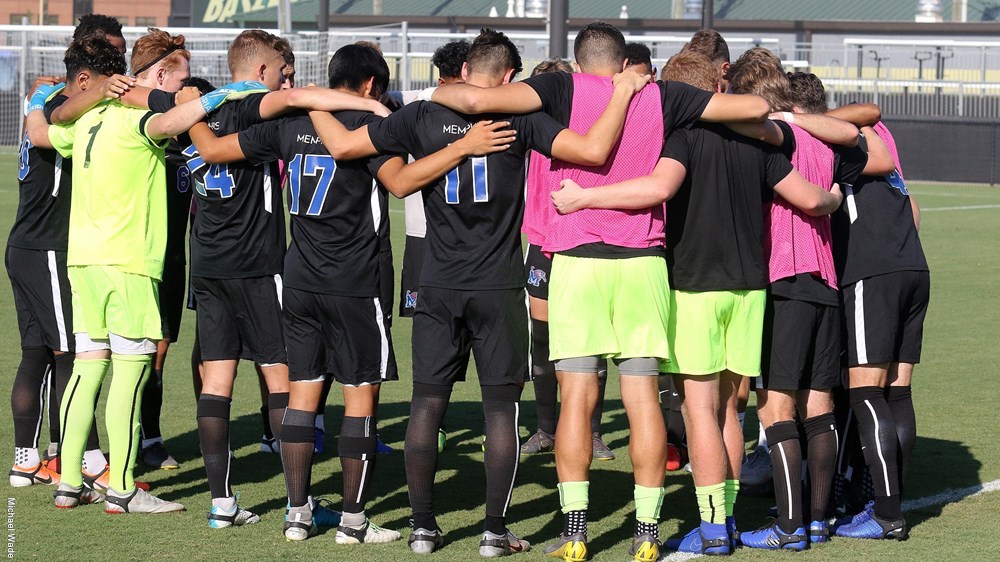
[(410, 299), (536, 277), (896, 180)]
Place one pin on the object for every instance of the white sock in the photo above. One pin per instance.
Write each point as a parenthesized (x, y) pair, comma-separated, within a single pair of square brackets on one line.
[(761, 437), (26, 457), (53, 449), (742, 416), (150, 442), (352, 519), (94, 461), (319, 422), (227, 504)]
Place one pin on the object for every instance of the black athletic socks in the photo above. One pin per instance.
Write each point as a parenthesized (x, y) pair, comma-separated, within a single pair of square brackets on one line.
[(298, 438), (265, 420), (821, 447), (27, 394), (500, 408), (879, 445), (276, 404), (900, 401), (575, 522), (427, 409), (152, 402), (543, 376), (602, 385), (786, 463), (62, 369), (356, 447), (213, 434), (642, 528)]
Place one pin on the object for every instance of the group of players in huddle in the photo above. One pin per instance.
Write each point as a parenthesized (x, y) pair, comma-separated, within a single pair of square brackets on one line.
[(788, 234)]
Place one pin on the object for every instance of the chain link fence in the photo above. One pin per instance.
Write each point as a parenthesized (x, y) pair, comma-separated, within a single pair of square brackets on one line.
[(908, 78)]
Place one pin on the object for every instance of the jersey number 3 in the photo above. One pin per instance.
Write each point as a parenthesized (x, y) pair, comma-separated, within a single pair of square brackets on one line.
[(320, 166), (480, 183)]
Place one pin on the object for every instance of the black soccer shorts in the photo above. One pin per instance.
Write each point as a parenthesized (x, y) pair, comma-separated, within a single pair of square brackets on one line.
[(884, 317), (802, 345), (493, 325), (347, 338), (386, 283), (537, 268), (413, 259), (42, 298), (173, 296), (239, 319)]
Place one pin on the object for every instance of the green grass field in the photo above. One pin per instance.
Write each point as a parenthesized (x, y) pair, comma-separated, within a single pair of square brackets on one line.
[(955, 390)]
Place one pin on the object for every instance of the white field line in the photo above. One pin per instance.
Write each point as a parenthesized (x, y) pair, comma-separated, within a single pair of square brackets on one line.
[(960, 208), (945, 497)]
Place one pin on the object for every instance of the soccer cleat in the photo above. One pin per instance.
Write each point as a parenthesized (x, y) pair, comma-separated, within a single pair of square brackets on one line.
[(676, 458), (442, 440), (424, 541), (137, 501), (734, 535), (756, 469), (867, 525), (645, 548), (708, 538), (493, 545), (380, 446), (539, 442), (21, 476), (601, 451), (51, 462), (300, 524), (818, 532), (323, 514), (220, 517), (157, 456), (269, 445), (320, 441), (570, 548), (771, 537), (102, 481), (369, 533), (865, 513), (68, 497)]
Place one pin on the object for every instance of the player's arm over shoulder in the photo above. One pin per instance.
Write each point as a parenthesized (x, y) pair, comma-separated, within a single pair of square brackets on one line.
[(341, 143), (515, 97)]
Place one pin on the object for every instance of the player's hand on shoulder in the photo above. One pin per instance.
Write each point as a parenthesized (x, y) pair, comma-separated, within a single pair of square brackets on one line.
[(381, 110), (117, 86), (187, 94), (569, 198), (42, 94), (231, 92), (487, 137), (836, 192), (631, 80), (46, 81)]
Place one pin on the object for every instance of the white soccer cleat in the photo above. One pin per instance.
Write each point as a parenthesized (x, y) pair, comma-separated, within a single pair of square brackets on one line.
[(367, 533), (138, 501)]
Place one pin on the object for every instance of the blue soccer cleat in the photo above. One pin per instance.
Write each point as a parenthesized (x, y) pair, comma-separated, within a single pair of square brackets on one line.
[(851, 519), (708, 538), (323, 514), (771, 537), (381, 448), (734, 535), (818, 532), (867, 525), (320, 441)]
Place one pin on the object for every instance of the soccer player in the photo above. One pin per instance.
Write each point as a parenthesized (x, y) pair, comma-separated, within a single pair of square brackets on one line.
[(538, 268), (237, 252), (719, 276), (160, 62), (639, 59), (885, 286), (115, 260), (472, 284), (711, 44)]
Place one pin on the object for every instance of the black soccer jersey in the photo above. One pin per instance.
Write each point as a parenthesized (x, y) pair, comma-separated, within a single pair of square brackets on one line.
[(239, 224), (474, 212), (179, 190), (45, 184), (873, 231), (336, 208), (715, 222), (682, 103)]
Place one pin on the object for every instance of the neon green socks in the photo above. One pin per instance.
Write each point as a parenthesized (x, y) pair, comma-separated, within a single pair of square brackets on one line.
[(77, 415), (712, 502), (122, 417)]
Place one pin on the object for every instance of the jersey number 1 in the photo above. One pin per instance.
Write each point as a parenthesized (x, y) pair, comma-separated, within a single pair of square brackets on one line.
[(320, 166), (480, 183)]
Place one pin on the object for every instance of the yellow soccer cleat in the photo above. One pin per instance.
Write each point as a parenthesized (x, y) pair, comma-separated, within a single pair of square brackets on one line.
[(570, 548)]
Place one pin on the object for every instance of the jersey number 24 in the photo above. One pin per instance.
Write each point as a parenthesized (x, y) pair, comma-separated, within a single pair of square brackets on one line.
[(216, 177)]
